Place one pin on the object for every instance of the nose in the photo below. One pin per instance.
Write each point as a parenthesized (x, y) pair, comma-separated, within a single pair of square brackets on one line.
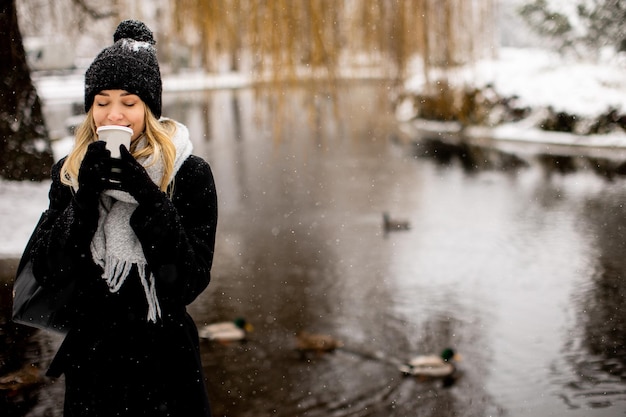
[(116, 114)]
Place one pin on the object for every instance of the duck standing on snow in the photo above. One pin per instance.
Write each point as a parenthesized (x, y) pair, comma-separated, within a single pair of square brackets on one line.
[(228, 331), (431, 366)]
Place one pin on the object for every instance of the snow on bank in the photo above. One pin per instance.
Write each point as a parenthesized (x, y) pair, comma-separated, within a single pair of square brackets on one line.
[(542, 78), (21, 204), (70, 87), (539, 79)]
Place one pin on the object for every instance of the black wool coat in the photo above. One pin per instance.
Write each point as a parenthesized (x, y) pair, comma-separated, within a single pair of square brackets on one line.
[(116, 362)]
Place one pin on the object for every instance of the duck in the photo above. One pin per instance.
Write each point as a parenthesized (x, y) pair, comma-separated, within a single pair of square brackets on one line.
[(316, 343), (227, 331), (431, 366), (390, 225)]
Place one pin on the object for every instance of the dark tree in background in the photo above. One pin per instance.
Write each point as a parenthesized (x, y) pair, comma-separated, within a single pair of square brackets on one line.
[(25, 151)]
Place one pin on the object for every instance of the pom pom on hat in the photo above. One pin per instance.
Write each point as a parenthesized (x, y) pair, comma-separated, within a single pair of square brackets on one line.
[(133, 29), (129, 64)]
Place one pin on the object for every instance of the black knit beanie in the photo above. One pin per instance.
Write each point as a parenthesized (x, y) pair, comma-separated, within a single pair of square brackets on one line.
[(129, 64)]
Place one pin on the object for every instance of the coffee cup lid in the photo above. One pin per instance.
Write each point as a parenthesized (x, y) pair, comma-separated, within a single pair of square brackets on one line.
[(114, 127)]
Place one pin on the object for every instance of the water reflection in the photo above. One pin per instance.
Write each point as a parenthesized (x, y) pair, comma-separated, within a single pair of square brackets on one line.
[(13, 358), (304, 248), (24, 355), (519, 272), (600, 331)]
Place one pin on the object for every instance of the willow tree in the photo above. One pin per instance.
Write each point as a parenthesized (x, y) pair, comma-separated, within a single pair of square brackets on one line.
[(285, 40), (25, 152)]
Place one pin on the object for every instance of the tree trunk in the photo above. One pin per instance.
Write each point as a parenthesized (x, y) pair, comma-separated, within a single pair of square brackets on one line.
[(25, 151)]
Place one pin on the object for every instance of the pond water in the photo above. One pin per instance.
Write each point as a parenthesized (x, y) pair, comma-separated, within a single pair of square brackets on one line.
[(521, 272)]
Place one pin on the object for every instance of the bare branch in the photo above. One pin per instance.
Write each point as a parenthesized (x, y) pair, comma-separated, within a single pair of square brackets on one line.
[(95, 14)]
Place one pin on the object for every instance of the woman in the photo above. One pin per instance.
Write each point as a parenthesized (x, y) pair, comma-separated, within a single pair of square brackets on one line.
[(137, 250)]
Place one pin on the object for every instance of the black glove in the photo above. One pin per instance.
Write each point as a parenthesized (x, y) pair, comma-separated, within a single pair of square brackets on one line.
[(135, 180), (93, 175)]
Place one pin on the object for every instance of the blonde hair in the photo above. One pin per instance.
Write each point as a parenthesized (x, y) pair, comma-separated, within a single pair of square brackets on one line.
[(158, 144)]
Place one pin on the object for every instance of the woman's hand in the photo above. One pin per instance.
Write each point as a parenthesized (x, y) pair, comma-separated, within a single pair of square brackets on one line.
[(135, 180), (93, 175)]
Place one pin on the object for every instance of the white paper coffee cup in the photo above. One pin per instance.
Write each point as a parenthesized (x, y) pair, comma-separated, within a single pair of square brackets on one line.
[(114, 136)]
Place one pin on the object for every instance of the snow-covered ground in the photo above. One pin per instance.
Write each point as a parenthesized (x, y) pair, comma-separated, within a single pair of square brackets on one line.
[(541, 79), (537, 77)]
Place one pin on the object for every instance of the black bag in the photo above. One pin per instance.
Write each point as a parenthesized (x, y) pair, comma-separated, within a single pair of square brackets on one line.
[(34, 305)]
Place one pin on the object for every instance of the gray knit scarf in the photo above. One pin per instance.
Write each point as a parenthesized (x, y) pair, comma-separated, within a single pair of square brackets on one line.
[(115, 247)]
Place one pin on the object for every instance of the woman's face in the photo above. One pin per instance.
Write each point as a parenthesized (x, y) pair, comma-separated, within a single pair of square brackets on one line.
[(119, 108)]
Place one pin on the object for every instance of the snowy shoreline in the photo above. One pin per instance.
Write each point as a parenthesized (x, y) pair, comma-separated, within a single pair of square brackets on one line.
[(521, 136)]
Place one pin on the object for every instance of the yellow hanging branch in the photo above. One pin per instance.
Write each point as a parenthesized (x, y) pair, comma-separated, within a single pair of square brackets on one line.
[(295, 39)]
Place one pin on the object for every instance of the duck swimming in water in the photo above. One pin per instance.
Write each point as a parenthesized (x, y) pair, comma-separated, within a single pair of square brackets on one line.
[(391, 225), (433, 366), (315, 343), (228, 331)]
